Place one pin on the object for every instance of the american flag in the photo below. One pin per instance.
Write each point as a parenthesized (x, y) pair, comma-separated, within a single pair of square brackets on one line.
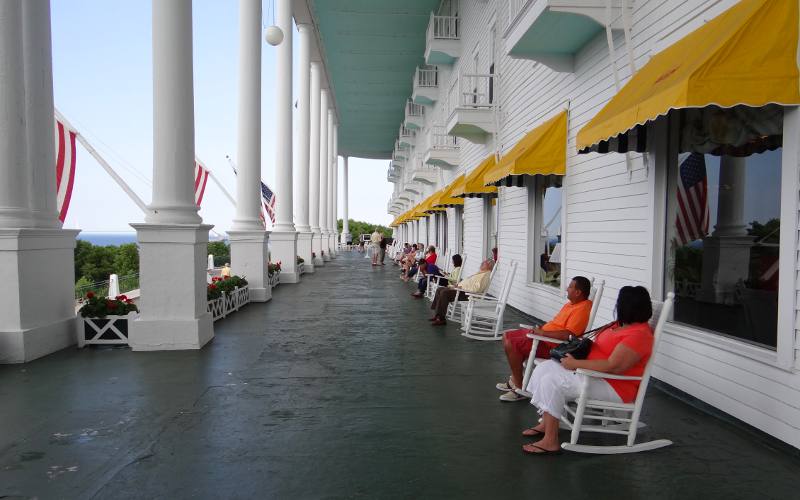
[(691, 221), (268, 201), (200, 181), (65, 166)]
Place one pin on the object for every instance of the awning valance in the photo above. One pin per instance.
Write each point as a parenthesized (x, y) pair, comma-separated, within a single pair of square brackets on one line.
[(744, 58), (473, 183), (447, 199), (543, 151)]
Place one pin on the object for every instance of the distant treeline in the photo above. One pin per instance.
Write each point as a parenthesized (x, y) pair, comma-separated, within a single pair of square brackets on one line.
[(358, 228)]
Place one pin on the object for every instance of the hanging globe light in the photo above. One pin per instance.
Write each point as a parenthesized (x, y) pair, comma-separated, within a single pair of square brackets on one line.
[(273, 35)]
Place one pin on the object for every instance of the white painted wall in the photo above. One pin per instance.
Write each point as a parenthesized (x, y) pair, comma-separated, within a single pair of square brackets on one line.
[(608, 223)]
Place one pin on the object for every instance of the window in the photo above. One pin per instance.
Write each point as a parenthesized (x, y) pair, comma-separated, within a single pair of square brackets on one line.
[(459, 222), (544, 202), (489, 225), (722, 243)]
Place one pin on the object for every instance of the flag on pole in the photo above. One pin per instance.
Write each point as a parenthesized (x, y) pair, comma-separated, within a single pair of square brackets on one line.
[(268, 201), (200, 180), (691, 221), (65, 166)]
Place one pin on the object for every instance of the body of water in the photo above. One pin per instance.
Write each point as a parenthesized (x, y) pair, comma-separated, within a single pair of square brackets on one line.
[(116, 239)]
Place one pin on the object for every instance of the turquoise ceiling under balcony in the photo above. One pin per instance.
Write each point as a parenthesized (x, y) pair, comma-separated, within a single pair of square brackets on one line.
[(371, 48)]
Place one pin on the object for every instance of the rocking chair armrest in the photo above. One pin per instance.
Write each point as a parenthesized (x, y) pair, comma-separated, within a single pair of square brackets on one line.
[(592, 373), (542, 338)]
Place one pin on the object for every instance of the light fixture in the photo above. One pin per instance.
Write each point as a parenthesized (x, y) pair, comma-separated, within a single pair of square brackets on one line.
[(273, 34)]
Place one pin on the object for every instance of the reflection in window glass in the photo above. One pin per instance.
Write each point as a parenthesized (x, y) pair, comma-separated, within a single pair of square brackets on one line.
[(723, 244), (550, 243)]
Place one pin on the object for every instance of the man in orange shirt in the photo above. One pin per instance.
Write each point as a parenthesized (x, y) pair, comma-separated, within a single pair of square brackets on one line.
[(572, 319)]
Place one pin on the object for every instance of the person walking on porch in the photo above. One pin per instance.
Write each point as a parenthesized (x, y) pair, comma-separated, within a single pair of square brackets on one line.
[(570, 320), (375, 240), (477, 283)]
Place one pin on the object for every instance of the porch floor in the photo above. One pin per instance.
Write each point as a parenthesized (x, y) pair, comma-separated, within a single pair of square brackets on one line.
[(338, 387)]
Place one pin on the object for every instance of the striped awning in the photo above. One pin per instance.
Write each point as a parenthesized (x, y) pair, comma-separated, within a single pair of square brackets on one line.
[(473, 183)]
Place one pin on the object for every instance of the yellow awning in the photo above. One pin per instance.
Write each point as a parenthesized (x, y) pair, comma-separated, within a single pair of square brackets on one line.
[(447, 199), (543, 151), (473, 183), (745, 56)]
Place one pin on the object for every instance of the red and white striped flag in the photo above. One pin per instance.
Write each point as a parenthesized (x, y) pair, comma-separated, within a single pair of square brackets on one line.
[(65, 166), (691, 221), (200, 180)]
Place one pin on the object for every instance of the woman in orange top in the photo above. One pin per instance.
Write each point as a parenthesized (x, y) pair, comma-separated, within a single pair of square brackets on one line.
[(623, 348)]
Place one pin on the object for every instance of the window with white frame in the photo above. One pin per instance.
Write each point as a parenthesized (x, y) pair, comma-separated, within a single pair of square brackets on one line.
[(489, 225), (544, 205), (459, 222), (722, 243)]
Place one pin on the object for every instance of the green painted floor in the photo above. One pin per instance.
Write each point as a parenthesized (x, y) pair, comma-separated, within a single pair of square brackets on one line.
[(337, 388)]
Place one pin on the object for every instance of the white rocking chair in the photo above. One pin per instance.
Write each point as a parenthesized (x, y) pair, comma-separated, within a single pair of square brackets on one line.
[(455, 308), (435, 283), (595, 295), (608, 412), (483, 317)]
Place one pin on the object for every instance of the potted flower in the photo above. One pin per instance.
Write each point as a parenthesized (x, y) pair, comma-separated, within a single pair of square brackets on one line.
[(103, 320), (274, 271)]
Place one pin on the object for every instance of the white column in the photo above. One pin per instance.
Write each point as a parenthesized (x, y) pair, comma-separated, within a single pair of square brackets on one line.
[(284, 236), (14, 205), (173, 242), (323, 174), (329, 184), (333, 182), (39, 112), (249, 241), (345, 220), (313, 178), (303, 156), (36, 317), (732, 181)]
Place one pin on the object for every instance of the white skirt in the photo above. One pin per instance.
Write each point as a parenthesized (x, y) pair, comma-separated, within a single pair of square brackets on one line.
[(552, 385)]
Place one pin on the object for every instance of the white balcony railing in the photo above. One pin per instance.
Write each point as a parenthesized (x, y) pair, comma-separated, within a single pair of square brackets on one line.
[(443, 28), (414, 110), (472, 90), (427, 77), (440, 140)]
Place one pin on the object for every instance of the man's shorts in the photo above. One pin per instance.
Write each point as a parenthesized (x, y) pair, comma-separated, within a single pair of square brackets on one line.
[(522, 344)]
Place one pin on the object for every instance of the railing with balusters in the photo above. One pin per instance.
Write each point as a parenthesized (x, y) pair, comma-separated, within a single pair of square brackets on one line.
[(472, 90), (427, 77), (440, 140), (414, 109), (443, 28), (407, 133)]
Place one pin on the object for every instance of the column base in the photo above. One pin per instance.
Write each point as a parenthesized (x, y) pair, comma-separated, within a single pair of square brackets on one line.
[(172, 280), (304, 245), (283, 246), (317, 248), (249, 257), (37, 299)]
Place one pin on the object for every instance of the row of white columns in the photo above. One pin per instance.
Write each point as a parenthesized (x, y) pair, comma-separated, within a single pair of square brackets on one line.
[(172, 240)]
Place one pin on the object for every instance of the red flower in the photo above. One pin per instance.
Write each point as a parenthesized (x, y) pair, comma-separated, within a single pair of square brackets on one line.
[(121, 297), (128, 301), (212, 287), (90, 294), (225, 277), (111, 304), (215, 279)]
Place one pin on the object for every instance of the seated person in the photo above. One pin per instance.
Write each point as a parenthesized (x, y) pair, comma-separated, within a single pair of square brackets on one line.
[(453, 276), (408, 260), (413, 270), (432, 271), (430, 255), (570, 320), (623, 348), (477, 283)]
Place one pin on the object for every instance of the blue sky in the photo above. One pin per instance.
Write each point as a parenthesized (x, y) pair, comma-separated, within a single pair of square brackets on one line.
[(102, 73)]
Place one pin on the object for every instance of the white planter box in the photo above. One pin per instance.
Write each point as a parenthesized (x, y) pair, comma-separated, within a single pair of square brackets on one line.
[(228, 303), (109, 330), (301, 268), (274, 279)]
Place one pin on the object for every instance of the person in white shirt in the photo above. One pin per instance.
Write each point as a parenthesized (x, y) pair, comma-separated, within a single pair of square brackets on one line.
[(375, 240), (477, 283)]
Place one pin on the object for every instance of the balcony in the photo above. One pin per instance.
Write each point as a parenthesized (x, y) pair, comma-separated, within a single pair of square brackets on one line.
[(413, 187), (471, 107), (553, 31), (426, 86), (407, 137), (443, 44), (423, 173), (415, 115), (393, 175), (443, 150), (400, 152)]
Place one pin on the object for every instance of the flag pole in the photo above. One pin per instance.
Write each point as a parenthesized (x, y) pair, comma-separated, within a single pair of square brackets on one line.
[(103, 163), (219, 184)]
